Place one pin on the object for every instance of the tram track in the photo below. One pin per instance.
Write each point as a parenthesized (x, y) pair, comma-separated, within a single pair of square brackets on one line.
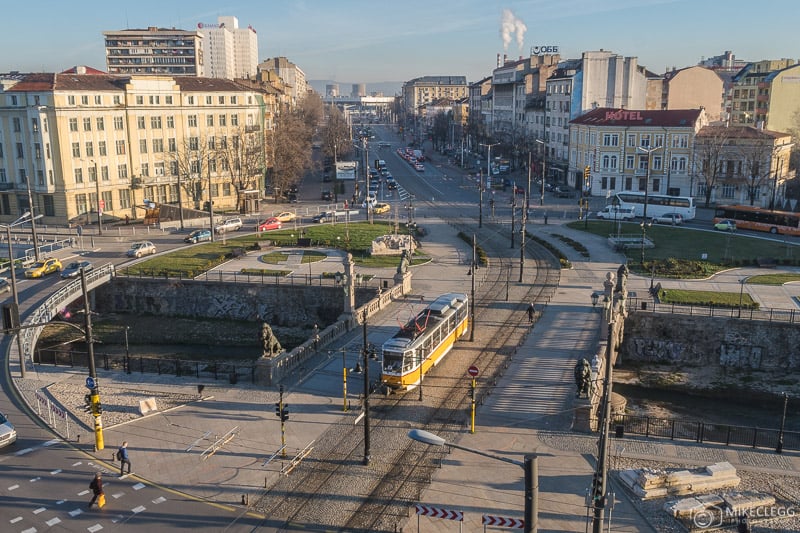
[(332, 489)]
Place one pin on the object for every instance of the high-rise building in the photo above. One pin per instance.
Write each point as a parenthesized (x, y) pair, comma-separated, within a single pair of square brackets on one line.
[(292, 76), (231, 51), (155, 51)]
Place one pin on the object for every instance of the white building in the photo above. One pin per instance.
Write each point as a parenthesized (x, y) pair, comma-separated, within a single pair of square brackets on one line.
[(231, 51), (292, 76)]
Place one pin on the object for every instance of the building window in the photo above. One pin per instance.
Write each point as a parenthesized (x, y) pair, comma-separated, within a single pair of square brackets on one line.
[(120, 147), (80, 203), (211, 142), (208, 100), (76, 149), (101, 148), (226, 189), (190, 100), (221, 100), (3, 177), (140, 100), (92, 171), (168, 100), (155, 123), (170, 122), (154, 99), (118, 123), (108, 200), (678, 164), (98, 100), (104, 173), (629, 162), (87, 124), (173, 146), (124, 198), (644, 140), (89, 149), (84, 99), (145, 170), (222, 120), (35, 125), (143, 146), (40, 177), (209, 120), (235, 120), (140, 122), (100, 124), (73, 124), (192, 121), (158, 146), (173, 168), (71, 99), (158, 168), (122, 171), (37, 150), (117, 99), (1, 150), (194, 143), (78, 175), (233, 100), (609, 162)]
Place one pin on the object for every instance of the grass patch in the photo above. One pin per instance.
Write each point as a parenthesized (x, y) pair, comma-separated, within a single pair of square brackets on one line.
[(773, 279), (707, 298), (273, 258), (312, 256)]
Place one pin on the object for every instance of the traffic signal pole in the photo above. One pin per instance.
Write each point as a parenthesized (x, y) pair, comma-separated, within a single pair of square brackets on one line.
[(96, 406), (282, 412)]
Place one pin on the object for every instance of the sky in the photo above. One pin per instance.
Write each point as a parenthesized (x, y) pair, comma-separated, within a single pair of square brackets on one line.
[(360, 41)]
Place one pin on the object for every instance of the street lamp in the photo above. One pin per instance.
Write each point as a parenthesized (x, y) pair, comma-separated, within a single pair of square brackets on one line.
[(779, 447), (544, 162), (741, 294), (489, 160), (472, 272), (33, 225), (14, 294), (127, 352), (649, 152), (530, 467)]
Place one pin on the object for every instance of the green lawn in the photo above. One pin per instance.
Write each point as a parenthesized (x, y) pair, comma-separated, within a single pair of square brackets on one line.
[(355, 238)]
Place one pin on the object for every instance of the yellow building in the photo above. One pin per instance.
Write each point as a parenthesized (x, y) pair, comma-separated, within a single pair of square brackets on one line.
[(73, 138)]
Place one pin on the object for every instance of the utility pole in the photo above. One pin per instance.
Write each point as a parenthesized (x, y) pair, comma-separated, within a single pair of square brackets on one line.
[(210, 200), (94, 395), (33, 217), (527, 200), (480, 199), (472, 295), (599, 485), (366, 391)]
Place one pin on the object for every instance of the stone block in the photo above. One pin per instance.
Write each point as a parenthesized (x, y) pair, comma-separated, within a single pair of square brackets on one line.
[(691, 506), (740, 502), (147, 405)]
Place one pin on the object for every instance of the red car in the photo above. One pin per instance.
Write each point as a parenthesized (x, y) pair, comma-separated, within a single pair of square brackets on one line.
[(270, 223)]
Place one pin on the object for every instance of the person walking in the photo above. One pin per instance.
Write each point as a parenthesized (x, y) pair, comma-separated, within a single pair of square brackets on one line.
[(122, 456), (97, 488), (531, 311)]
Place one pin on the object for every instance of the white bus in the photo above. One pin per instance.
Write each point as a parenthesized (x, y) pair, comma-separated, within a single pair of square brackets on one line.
[(657, 204)]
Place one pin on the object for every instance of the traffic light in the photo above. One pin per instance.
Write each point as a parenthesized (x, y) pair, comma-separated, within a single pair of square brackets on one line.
[(97, 408), (587, 171), (87, 401), (278, 409), (285, 413)]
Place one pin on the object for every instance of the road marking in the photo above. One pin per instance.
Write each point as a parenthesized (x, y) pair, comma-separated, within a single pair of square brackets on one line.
[(15, 520), (23, 452), (54, 472), (29, 530), (139, 486), (53, 521), (139, 509), (75, 512), (96, 527), (13, 487), (160, 499), (39, 510), (34, 480), (118, 495), (50, 442)]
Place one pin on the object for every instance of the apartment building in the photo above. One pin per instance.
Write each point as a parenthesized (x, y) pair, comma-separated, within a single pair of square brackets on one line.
[(766, 94), (420, 92), (618, 146), (154, 51), (293, 77), (87, 141), (231, 51), (688, 88)]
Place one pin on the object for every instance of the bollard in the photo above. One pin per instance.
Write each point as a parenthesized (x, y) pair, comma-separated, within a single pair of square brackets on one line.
[(244, 499)]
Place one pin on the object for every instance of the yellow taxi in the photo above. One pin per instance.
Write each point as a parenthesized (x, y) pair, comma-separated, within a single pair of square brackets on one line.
[(286, 216), (381, 208), (43, 267)]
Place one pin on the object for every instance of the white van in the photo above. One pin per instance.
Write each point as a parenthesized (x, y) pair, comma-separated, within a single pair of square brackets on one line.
[(615, 212)]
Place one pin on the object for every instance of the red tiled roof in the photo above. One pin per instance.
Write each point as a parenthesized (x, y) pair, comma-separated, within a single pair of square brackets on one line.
[(739, 132), (609, 116)]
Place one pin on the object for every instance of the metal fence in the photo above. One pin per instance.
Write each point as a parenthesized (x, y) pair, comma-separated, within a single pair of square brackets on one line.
[(785, 316), (216, 370), (675, 429)]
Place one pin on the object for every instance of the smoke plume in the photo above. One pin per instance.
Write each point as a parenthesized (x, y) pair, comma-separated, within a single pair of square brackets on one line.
[(509, 26)]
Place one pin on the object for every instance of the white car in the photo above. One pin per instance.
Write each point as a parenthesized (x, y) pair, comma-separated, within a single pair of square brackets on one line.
[(614, 212), (138, 249), (231, 224), (8, 435), (676, 219)]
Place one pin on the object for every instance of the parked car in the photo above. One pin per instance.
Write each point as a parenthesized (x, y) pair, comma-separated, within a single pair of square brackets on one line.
[(391, 184), (327, 196), (43, 267), (419, 167), (138, 249), (5, 285), (73, 269), (8, 435), (725, 225), (198, 235), (564, 192), (675, 219), (286, 216), (381, 208), (269, 224), (518, 190), (231, 224)]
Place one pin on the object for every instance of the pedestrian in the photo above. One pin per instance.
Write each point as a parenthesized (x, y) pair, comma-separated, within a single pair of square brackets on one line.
[(97, 490), (127, 220), (531, 311), (122, 457)]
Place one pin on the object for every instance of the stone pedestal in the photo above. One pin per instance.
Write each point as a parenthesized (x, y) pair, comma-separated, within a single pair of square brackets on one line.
[(583, 419), (404, 279)]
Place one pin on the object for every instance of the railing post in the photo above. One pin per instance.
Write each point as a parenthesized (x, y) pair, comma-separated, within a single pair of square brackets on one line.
[(672, 431), (728, 437), (755, 436)]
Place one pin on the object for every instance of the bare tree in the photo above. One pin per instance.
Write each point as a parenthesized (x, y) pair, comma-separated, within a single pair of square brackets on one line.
[(755, 157), (191, 160), (336, 135), (242, 158), (311, 109), (289, 146), (711, 143)]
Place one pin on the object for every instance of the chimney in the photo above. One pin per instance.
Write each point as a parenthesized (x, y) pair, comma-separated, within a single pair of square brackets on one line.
[(498, 59), (80, 69), (505, 58)]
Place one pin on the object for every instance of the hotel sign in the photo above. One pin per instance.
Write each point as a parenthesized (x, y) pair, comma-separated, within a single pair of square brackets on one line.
[(622, 114)]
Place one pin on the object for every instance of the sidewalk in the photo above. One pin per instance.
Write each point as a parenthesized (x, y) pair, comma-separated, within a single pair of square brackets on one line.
[(184, 444)]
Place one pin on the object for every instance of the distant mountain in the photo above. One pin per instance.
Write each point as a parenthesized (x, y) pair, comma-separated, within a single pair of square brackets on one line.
[(387, 88)]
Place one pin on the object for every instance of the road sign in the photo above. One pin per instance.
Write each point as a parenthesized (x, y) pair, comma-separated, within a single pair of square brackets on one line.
[(438, 512), (472, 371), (90, 383), (503, 521)]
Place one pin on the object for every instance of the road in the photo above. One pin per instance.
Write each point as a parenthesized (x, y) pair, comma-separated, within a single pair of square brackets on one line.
[(45, 480)]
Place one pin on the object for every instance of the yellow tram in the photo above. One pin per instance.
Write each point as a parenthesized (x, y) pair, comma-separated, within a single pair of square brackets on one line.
[(424, 341)]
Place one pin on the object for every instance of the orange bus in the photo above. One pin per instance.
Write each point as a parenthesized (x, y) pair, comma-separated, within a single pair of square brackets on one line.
[(759, 219)]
